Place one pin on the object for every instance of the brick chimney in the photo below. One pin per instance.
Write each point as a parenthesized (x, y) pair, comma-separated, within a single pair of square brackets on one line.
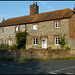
[(34, 9), (3, 20), (74, 8)]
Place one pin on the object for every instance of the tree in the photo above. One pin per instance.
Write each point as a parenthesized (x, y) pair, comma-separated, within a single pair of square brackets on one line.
[(21, 39), (62, 41)]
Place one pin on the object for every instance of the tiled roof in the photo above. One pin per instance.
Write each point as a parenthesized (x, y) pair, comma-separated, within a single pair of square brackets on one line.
[(53, 15)]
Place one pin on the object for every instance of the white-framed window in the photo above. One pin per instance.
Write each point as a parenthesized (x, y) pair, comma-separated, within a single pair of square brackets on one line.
[(1, 41), (35, 41), (5, 41), (10, 42), (17, 28), (35, 27), (1, 30), (57, 39), (57, 24)]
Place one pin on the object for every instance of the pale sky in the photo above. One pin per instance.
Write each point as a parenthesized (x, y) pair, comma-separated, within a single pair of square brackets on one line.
[(10, 9)]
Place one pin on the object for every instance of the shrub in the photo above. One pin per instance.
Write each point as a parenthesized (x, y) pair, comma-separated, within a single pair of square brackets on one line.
[(21, 39), (13, 47), (68, 48), (62, 41), (4, 46), (31, 48), (48, 48)]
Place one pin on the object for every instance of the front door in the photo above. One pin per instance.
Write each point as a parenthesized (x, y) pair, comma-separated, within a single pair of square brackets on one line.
[(44, 42)]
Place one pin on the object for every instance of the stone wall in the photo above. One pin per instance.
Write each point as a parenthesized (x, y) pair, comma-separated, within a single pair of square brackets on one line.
[(37, 54), (9, 33), (46, 29), (43, 54)]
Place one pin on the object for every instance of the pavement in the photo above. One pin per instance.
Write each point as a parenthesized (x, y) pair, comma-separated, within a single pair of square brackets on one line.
[(42, 67)]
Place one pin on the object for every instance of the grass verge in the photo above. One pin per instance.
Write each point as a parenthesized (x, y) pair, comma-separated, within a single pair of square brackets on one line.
[(52, 59)]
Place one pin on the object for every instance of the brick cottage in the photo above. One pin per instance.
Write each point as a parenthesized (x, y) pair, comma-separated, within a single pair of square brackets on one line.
[(45, 29)]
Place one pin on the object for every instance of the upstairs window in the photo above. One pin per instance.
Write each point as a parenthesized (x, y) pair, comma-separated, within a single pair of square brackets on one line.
[(35, 41), (35, 27), (57, 24), (1, 30), (17, 28)]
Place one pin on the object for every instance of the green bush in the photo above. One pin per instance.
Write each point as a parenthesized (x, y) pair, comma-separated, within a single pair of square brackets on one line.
[(4, 46), (62, 41), (68, 48), (13, 47), (6, 59), (21, 39), (31, 48)]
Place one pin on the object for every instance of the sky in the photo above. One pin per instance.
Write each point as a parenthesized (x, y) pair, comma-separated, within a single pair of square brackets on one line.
[(11, 9)]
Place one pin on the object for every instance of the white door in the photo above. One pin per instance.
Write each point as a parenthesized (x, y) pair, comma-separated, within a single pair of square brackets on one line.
[(10, 42), (44, 43)]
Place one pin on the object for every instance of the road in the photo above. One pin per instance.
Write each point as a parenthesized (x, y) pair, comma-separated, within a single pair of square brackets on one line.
[(46, 67)]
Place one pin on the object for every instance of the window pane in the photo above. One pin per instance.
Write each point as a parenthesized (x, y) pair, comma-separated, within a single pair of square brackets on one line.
[(58, 24), (35, 27), (34, 41), (17, 28), (57, 39), (1, 31), (1, 41)]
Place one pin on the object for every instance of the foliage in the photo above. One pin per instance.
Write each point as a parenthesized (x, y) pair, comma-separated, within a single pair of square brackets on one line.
[(68, 48), (62, 41), (31, 48), (21, 39), (13, 47), (50, 59), (4, 46), (48, 48)]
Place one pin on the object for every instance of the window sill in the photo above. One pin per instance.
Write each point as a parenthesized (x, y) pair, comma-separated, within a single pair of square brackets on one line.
[(35, 45), (34, 30), (57, 27), (57, 44)]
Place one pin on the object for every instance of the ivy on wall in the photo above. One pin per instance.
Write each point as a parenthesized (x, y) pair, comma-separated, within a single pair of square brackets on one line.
[(21, 39)]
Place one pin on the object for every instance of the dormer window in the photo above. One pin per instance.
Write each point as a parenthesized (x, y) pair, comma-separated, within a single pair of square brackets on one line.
[(35, 27), (57, 24)]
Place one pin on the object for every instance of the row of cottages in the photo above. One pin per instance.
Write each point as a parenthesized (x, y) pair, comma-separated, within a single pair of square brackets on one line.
[(45, 29)]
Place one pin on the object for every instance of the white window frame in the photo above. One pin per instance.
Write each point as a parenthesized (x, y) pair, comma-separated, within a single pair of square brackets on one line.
[(57, 41), (1, 41), (17, 28), (1, 30), (35, 40), (10, 42), (34, 27), (58, 24)]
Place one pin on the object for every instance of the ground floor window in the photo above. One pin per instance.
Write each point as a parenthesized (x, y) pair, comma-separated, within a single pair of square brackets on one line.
[(57, 39), (10, 42), (35, 41), (1, 41)]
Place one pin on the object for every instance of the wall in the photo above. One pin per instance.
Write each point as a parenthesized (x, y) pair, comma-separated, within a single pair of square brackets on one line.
[(9, 33), (46, 29), (38, 54)]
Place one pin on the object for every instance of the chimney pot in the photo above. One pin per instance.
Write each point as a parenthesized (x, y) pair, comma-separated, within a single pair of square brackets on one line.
[(36, 3), (3, 19)]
